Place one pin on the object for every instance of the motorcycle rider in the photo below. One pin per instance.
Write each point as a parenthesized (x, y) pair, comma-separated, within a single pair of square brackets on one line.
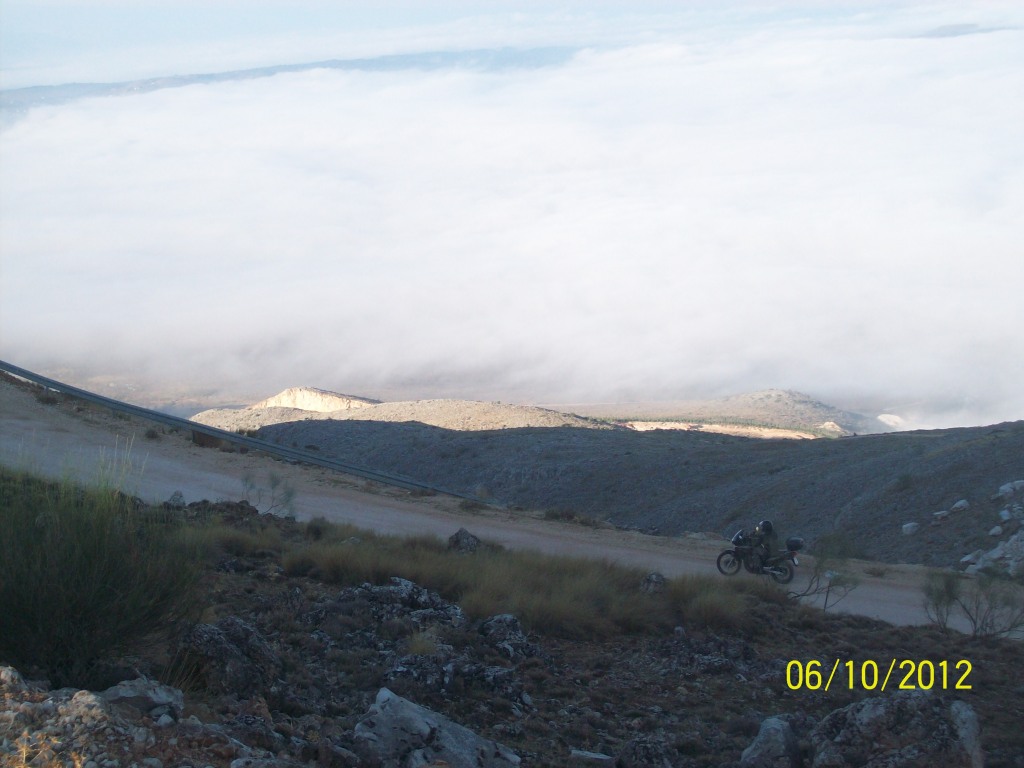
[(766, 540)]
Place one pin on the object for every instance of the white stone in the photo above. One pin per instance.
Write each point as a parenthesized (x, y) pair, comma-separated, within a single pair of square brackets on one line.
[(996, 531), (1005, 515), (1008, 489), (941, 515), (910, 528), (961, 506)]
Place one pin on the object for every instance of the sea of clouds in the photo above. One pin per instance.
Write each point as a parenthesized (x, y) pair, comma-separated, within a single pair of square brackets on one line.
[(830, 206)]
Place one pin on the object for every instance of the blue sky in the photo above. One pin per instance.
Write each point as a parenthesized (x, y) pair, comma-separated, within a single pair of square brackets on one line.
[(697, 199)]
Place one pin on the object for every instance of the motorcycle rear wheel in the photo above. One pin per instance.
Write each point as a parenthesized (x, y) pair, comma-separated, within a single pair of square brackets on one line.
[(782, 573), (728, 563)]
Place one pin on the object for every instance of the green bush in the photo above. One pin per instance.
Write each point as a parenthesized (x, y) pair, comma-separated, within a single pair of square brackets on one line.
[(84, 575)]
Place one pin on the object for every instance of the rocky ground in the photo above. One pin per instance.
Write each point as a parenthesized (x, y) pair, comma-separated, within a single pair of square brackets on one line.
[(283, 670)]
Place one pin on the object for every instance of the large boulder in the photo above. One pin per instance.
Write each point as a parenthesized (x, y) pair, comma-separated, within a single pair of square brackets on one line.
[(148, 697), (463, 542), (775, 746), (910, 729), (233, 657), (396, 733)]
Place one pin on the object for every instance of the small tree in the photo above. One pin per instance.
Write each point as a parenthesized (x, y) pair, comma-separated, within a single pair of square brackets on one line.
[(828, 578), (992, 605)]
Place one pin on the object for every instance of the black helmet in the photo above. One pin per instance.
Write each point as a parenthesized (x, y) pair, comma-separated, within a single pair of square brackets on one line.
[(766, 527)]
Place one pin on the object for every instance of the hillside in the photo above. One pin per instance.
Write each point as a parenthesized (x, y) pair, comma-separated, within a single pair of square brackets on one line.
[(672, 481), (865, 488)]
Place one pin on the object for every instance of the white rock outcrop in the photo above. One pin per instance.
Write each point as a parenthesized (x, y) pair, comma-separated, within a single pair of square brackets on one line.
[(313, 399)]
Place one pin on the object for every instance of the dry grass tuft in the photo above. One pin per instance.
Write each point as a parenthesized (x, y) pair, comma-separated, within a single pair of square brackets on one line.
[(558, 596)]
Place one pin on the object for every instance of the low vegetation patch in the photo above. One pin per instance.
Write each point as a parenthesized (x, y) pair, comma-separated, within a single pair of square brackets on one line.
[(556, 596), (84, 573)]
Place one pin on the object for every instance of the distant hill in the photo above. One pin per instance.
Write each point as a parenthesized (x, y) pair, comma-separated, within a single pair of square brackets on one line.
[(307, 404), (778, 408)]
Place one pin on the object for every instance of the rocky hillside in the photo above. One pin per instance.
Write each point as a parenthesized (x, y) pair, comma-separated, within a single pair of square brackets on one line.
[(866, 488), (284, 671)]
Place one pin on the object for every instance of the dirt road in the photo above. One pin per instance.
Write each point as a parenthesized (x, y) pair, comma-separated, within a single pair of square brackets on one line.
[(84, 443)]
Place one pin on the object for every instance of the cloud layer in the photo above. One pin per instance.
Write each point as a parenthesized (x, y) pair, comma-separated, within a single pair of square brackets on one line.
[(800, 205)]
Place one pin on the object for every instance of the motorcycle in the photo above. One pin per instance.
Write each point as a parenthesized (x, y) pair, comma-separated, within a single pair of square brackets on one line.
[(749, 553)]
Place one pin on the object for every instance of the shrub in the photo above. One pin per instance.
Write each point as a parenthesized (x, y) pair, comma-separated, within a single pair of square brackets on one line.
[(279, 495), (941, 590), (84, 574), (993, 606)]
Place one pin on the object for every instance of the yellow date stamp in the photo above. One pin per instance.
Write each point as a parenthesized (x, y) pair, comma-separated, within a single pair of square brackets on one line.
[(870, 675)]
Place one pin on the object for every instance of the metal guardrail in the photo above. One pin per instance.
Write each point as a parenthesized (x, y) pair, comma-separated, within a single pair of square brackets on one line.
[(215, 434)]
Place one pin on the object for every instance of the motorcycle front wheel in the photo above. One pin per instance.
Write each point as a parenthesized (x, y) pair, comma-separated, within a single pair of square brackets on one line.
[(727, 563), (782, 573)]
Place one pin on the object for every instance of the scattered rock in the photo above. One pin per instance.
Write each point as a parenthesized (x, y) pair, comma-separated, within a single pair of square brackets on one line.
[(1008, 489), (75, 727), (996, 530), (396, 733), (910, 528), (961, 506), (590, 758)]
